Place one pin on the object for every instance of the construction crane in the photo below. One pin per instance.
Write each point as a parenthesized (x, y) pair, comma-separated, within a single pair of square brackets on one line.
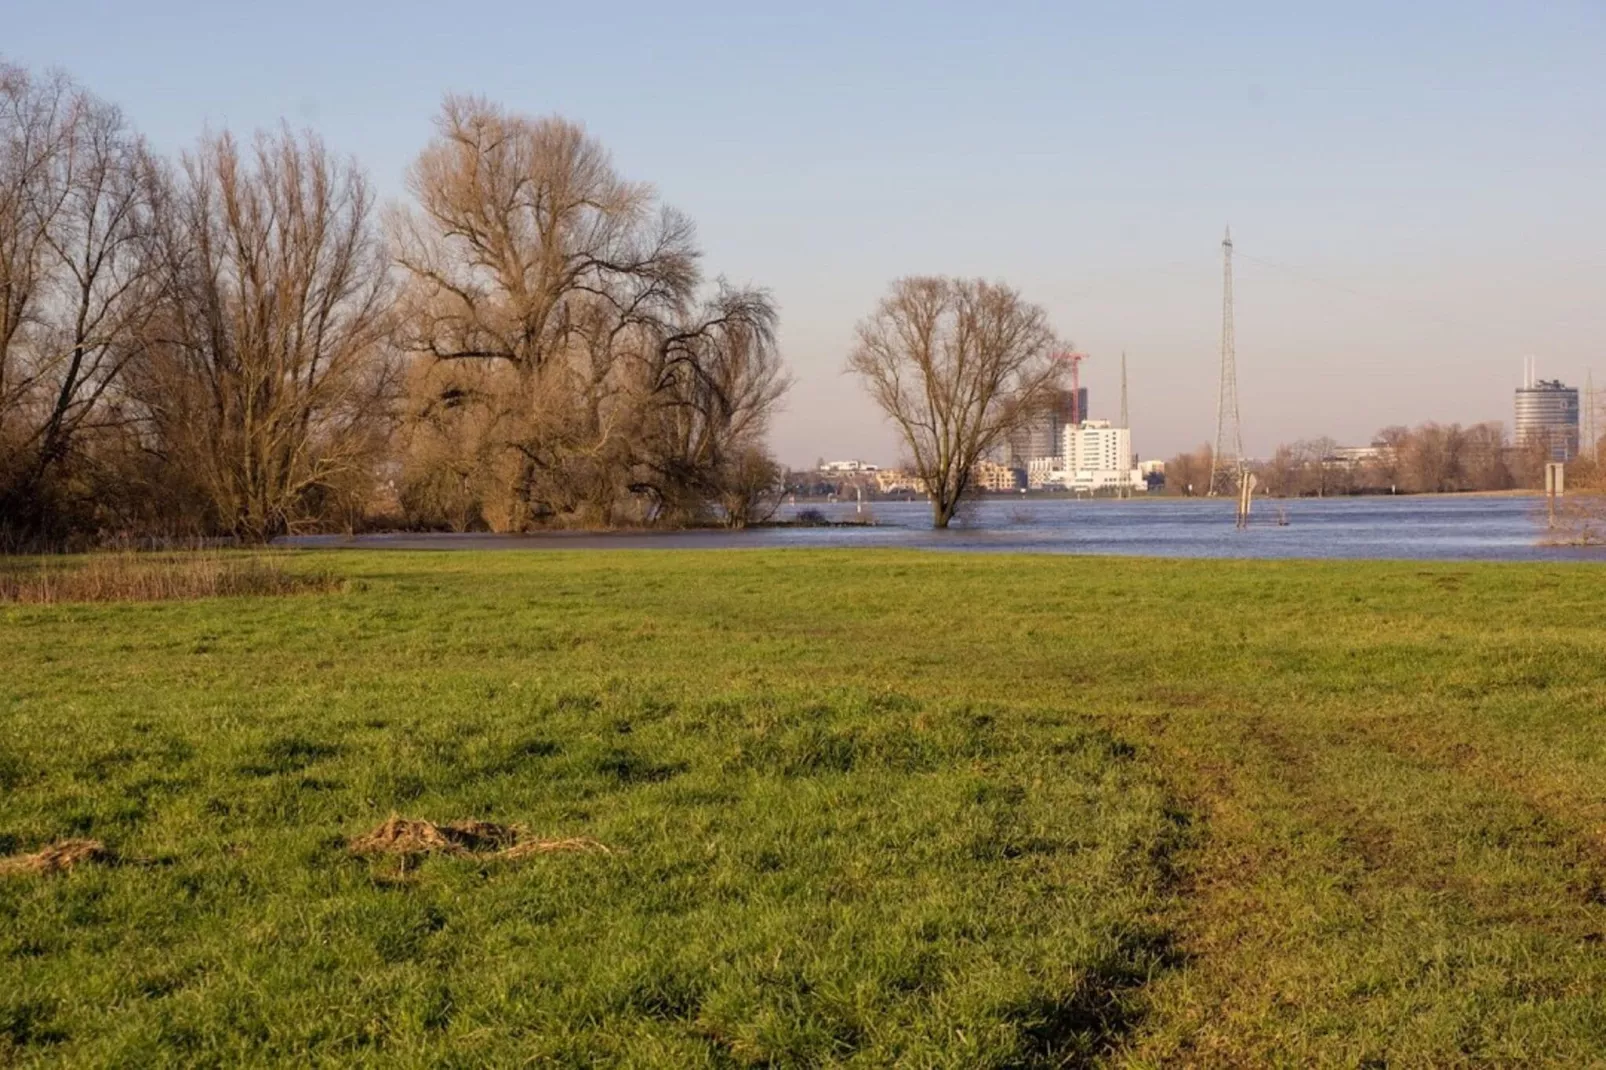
[(1074, 359)]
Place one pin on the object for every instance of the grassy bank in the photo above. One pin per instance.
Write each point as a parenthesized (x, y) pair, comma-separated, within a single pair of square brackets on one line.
[(873, 807)]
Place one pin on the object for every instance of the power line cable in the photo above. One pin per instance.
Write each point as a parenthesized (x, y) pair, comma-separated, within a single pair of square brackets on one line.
[(1317, 280)]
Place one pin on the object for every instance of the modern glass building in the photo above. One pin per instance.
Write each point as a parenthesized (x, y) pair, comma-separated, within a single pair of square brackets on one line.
[(1547, 411), (1043, 437)]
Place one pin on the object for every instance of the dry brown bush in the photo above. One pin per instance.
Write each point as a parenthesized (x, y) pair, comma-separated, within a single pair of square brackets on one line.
[(128, 576), (1580, 516), (1580, 521)]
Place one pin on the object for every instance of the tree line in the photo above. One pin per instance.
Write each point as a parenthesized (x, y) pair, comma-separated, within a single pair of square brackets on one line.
[(242, 342), (1429, 458)]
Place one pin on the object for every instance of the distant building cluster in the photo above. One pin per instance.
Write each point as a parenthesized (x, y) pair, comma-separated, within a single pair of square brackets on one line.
[(1067, 451), (997, 478), (1062, 451), (893, 481), (1093, 456)]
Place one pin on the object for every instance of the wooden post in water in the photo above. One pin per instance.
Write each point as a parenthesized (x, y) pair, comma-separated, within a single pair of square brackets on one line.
[(1555, 484), (1246, 494)]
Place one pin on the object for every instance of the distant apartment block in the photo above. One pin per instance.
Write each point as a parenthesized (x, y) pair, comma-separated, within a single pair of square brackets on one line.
[(1355, 456), (893, 481), (847, 467), (997, 478), (1096, 446)]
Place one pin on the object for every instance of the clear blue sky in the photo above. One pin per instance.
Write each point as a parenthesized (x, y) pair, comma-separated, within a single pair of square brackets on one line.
[(1422, 185)]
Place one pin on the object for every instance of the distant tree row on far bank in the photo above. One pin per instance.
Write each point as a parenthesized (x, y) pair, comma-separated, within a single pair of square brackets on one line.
[(1429, 458)]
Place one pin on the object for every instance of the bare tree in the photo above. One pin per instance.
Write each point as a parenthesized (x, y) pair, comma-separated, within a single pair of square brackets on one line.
[(957, 365), (529, 254), (1281, 474), (75, 282), (568, 367), (265, 377), (1384, 469), (1189, 473), (751, 486), (715, 379), (1313, 458), (1431, 461), (1483, 457)]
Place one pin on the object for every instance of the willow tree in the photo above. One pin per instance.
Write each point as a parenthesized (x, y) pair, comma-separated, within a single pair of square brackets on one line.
[(714, 376), (957, 365), (566, 364), (537, 281)]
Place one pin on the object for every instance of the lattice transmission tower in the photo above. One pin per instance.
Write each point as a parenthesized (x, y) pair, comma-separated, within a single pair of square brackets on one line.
[(1226, 463), (1591, 443), (1124, 421)]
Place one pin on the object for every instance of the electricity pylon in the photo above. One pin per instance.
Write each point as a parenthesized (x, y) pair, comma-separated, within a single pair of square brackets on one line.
[(1591, 443), (1226, 463), (1124, 422)]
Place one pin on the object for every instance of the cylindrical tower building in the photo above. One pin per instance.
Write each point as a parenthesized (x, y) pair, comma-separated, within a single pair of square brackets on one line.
[(1547, 412)]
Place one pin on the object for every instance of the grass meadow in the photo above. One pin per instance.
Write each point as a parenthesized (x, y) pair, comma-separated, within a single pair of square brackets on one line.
[(859, 808)]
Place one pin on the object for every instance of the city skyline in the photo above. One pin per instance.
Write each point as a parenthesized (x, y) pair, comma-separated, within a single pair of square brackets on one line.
[(1413, 194)]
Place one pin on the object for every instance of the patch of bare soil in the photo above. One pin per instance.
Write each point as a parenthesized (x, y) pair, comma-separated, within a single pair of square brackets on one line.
[(56, 858), (410, 837)]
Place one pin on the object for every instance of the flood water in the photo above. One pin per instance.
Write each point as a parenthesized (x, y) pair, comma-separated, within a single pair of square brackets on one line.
[(1421, 528)]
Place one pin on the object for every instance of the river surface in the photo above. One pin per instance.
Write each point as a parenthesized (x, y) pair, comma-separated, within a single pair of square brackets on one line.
[(1420, 528)]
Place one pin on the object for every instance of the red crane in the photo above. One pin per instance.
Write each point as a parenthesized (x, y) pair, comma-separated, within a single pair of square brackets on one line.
[(1074, 359)]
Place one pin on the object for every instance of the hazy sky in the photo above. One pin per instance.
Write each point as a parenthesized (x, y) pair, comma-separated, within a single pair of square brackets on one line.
[(1421, 186)]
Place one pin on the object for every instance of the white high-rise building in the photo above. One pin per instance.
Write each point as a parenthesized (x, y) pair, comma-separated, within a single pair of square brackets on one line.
[(1093, 455), (1095, 446)]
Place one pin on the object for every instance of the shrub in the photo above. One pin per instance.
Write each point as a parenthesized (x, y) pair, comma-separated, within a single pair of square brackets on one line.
[(128, 576)]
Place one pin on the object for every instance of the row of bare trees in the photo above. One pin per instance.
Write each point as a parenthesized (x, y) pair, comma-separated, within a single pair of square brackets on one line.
[(1429, 458), (237, 343)]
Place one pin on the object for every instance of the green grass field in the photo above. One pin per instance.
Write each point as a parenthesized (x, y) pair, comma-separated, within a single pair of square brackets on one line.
[(864, 808)]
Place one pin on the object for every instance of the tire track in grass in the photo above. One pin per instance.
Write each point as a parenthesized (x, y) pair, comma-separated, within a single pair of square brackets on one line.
[(1347, 902)]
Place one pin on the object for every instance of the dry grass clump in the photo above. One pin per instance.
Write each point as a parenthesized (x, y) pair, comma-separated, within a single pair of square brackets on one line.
[(1580, 520), (129, 576), (410, 837), (56, 858), (525, 848), (406, 836)]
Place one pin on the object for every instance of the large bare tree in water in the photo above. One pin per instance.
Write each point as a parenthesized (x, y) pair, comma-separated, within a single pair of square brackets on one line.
[(957, 365)]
